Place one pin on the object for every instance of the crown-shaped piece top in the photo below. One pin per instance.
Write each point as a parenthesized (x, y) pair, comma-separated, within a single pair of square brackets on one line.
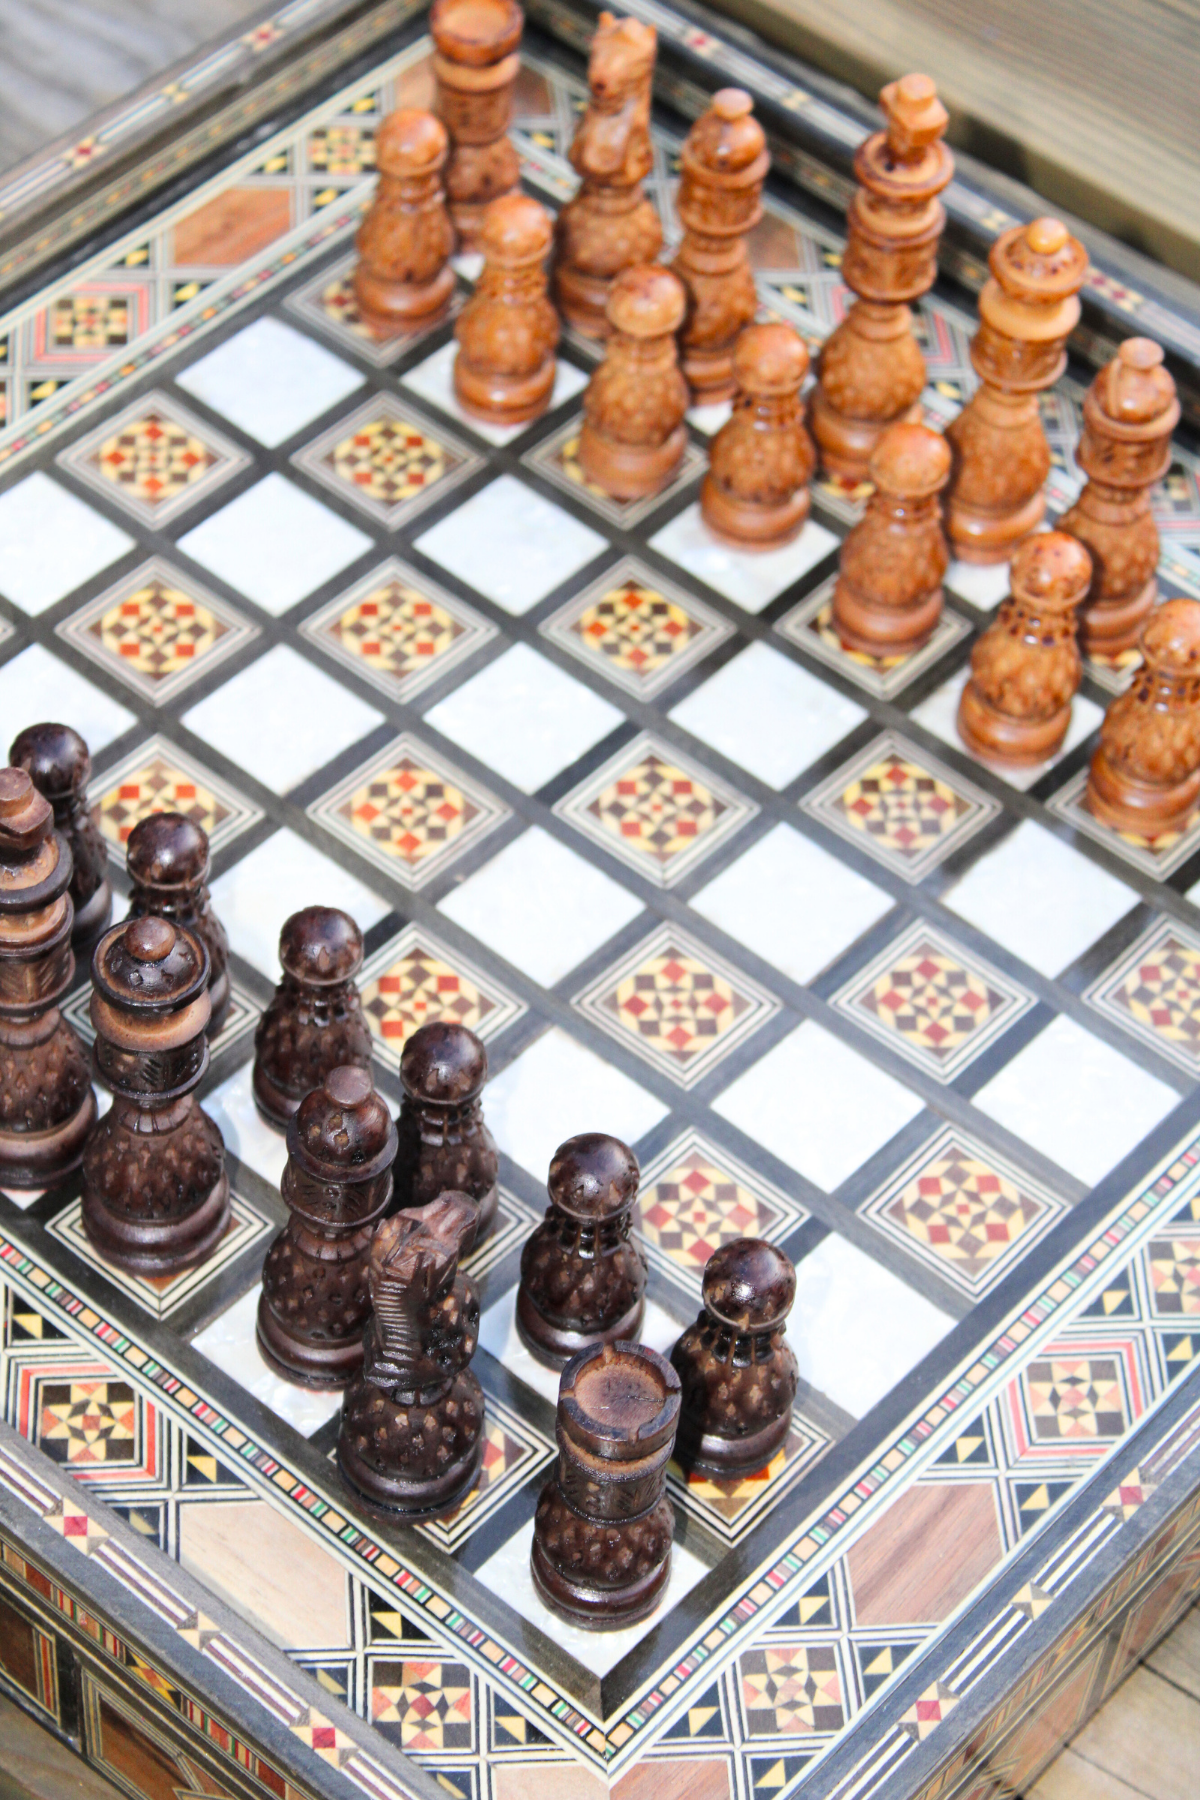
[(149, 965), (618, 1401), (1040, 262), (749, 1285), (411, 142), (343, 1127), (476, 32), (593, 1176), (516, 229), (916, 118), (1051, 571), (1171, 639), (910, 461), (727, 138), (770, 359), (1135, 388), (321, 946), (443, 1063), (55, 757), (622, 56), (167, 851)]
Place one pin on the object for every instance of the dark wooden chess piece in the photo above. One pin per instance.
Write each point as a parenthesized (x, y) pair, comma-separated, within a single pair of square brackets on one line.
[(155, 1191), (57, 762), (404, 278), (167, 860), (1026, 669), (412, 1420), (1145, 774), (314, 1022), (633, 437), (736, 1368), (1129, 413), (47, 1106), (583, 1278), (603, 1530), (871, 371), (888, 597), (338, 1185), (444, 1142), (761, 461), (610, 225), (507, 332), (475, 67), (1028, 308), (725, 163)]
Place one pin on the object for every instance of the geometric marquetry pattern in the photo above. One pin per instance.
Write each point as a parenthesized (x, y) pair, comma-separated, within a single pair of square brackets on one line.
[(415, 980), (1174, 1264), (637, 628), (154, 459), (422, 1705), (156, 778), (1154, 991), (1075, 1397), (731, 1505), (791, 1689), (387, 461), (694, 1198), (397, 629), (158, 630), (902, 807)]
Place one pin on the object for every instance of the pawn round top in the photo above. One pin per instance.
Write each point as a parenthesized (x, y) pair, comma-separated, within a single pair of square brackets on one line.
[(770, 359), (910, 461), (916, 117), (749, 1284), (25, 815), (343, 1126), (1171, 639), (1134, 388), (516, 229), (1051, 570), (727, 138), (320, 946), (55, 757), (593, 1177), (444, 1064), (411, 142), (167, 851), (618, 1401), (476, 32), (150, 965), (646, 301), (1040, 262)]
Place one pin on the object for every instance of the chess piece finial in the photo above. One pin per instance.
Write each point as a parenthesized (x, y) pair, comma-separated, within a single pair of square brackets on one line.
[(725, 163), (583, 1278), (1145, 774), (610, 225), (475, 66), (1028, 308), (444, 1142), (314, 1022), (155, 1192), (404, 278), (412, 1420), (337, 1185), (167, 860), (633, 437), (507, 332), (1129, 413), (1025, 669), (56, 760), (888, 597), (871, 370), (47, 1106), (736, 1368), (604, 1526), (761, 461)]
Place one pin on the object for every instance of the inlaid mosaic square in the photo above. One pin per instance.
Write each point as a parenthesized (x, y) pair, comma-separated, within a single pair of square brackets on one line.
[(901, 806), (732, 1507), (636, 628), (161, 1295), (695, 1197), (423, 1705), (792, 1690), (398, 630), (810, 627), (159, 777), (677, 1004), (329, 302), (87, 324), (159, 630), (155, 459), (388, 459), (1173, 1264), (409, 811), (1076, 1398), (84, 1416), (557, 458), (931, 1002), (1158, 857), (1154, 991), (656, 809), (513, 1454), (416, 979)]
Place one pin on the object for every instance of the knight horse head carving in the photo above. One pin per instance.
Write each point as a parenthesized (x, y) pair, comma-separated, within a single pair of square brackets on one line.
[(411, 1273)]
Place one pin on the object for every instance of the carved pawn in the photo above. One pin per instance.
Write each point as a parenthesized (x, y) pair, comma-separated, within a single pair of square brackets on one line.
[(1025, 669), (167, 861), (1129, 413), (736, 1368), (633, 437), (314, 1022), (444, 1142), (725, 163), (337, 1185), (508, 330), (888, 597), (1145, 774), (47, 1106), (57, 762), (155, 1192), (403, 279), (1028, 308), (762, 459), (475, 68), (609, 225), (412, 1420), (871, 371), (604, 1526), (583, 1278)]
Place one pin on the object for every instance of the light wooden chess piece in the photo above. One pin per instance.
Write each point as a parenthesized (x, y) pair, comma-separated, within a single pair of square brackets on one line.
[(1026, 669), (633, 437), (871, 371), (1145, 774), (610, 225), (1129, 413), (403, 278), (1027, 310), (475, 67), (888, 597), (507, 332), (725, 163), (762, 460)]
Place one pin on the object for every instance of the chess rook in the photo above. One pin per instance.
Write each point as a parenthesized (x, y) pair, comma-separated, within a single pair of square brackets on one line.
[(1145, 774), (508, 330), (403, 279), (314, 1022), (603, 1529), (167, 861), (633, 437), (47, 1106), (57, 762), (762, 459), (337, 1186), (475, 66), (888, 597), (444, 1142)]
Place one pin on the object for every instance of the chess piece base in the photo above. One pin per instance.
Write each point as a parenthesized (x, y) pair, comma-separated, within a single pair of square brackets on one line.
[(628, 471), (327, 1365), (598, 1609), (982, 537), (1107, 627), (399, 305), (1019, 742), (709, 375), (751, 526), (725, 1457), (504, 399), (415, 1499), (883, 630), (40, 1159), (157, 1247), (1124, 804), (555, 1347), (845, 444)]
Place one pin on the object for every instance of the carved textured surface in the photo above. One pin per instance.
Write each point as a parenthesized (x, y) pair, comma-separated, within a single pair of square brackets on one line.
[(154, 1175), (43, 1086), (602, 1553), (300, 1039), (418, 1442)]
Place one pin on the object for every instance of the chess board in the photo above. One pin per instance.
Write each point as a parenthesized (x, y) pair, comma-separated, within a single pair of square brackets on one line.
[(613, 796)]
